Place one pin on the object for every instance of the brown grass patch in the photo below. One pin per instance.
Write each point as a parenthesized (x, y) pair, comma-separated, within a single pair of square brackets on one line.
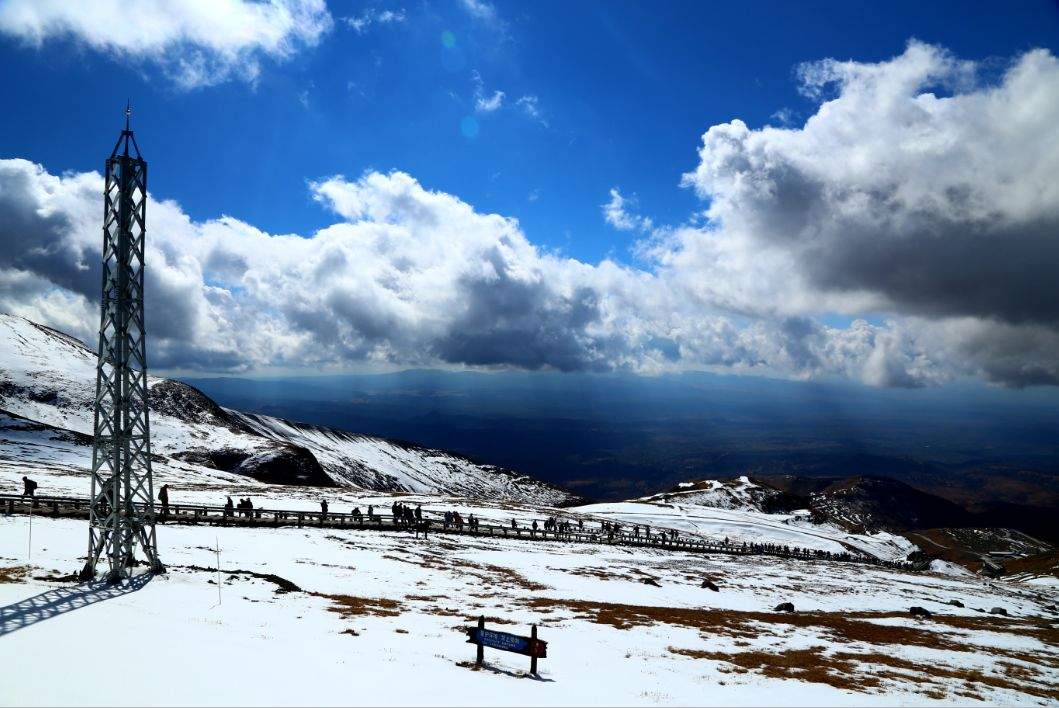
[(493, 574), (14, 574), (845, 627), (840, 669), (1023, 679), (351, 606), (862, 672), (508, 577), (1042, 564), (810, 665), (599, 573), (835, 627)]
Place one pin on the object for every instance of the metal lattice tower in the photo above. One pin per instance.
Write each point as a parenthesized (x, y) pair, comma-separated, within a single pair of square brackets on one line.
[(122, 516)]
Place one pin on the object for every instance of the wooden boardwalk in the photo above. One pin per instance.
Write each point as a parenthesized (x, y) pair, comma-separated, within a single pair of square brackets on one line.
[(73, 507)]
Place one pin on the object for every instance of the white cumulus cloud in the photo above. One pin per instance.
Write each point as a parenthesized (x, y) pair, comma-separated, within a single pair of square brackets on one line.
[(405, 276), (617, 212), (917, 189), (194, 43), (917, 192)]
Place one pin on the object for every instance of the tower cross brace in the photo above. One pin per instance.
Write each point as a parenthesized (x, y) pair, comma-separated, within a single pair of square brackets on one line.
[(121, 522)]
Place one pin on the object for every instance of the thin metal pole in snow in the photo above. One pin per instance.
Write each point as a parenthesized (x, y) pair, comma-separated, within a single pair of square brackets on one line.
[(218, 551), (29, 543)]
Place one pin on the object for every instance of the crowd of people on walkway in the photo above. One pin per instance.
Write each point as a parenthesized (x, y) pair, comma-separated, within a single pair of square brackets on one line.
[(415, 520), (454, 519), (245, 507), (786, 551)]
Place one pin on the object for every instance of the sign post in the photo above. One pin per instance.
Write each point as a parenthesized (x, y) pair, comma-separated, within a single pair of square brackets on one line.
[(481, 647), (533, 657), (529, 646)]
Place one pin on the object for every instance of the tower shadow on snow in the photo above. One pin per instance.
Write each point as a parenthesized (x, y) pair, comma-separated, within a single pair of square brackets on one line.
[(59, 601)]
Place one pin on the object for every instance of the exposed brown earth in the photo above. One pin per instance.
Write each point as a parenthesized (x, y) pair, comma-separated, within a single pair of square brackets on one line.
[(864, 672), (867, 660), (14, 574), (349, 606)]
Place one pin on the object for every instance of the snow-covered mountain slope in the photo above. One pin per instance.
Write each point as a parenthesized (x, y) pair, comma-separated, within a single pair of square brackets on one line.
[(742, 525), (743, 510), (878, 503), (374, 463), (48, 378), (737, 493)]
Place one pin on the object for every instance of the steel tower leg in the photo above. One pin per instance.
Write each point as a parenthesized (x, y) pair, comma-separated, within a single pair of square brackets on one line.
[(121, 514)]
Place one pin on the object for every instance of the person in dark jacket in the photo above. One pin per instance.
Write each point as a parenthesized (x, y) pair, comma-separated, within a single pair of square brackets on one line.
[(29, 488), (163, 496), (229, 507)]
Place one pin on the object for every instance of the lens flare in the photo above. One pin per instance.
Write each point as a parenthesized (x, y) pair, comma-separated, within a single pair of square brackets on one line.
[(469, 127)]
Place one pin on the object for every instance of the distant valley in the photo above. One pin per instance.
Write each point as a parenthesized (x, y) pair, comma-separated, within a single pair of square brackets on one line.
[(615, 437)]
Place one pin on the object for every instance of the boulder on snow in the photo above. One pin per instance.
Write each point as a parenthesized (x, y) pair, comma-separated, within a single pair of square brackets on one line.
[(998, 611), (917, 611), (955, 603), (784, 607), (709, 584), (650, 581), (273, 463)]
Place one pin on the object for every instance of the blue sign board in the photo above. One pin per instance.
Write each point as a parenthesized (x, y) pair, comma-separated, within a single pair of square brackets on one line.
[(501, 640), (507, 642)]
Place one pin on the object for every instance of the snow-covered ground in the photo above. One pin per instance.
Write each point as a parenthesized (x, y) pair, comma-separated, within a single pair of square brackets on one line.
[(377, 620), (614, 638), (377, 616)]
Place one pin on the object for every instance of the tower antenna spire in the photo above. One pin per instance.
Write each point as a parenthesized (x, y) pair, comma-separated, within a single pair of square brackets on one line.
[(121, 520)]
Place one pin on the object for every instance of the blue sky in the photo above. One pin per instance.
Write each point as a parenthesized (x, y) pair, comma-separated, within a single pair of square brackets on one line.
[(626, 89), (854, 191)]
